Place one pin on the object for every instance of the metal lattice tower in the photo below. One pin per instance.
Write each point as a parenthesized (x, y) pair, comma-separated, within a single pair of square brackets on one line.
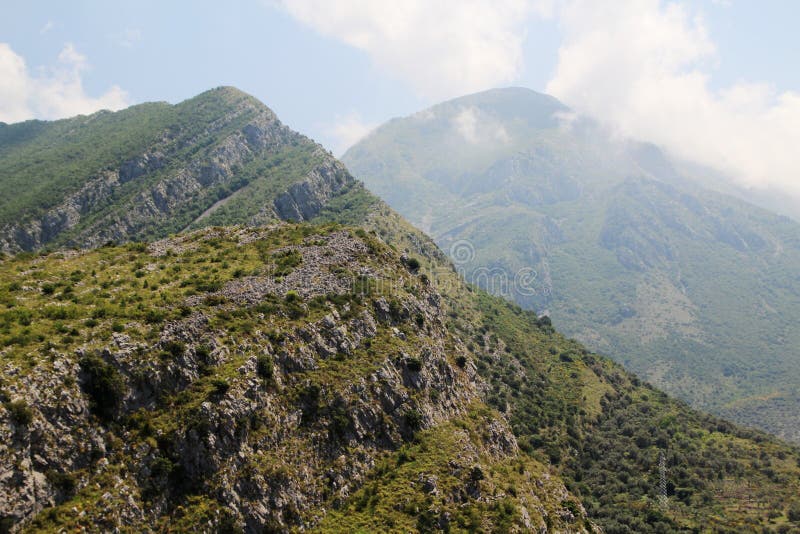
[(663, 500)]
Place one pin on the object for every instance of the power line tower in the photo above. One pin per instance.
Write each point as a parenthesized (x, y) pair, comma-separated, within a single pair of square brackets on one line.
[(663, 500)]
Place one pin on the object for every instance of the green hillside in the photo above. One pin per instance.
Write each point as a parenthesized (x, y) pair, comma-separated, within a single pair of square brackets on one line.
[(695, 291), (155, 169)]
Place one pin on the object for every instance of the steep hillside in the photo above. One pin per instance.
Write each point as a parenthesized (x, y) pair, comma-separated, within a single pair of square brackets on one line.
[(312, 376), (693, 290), (155, 169), (249, 378)]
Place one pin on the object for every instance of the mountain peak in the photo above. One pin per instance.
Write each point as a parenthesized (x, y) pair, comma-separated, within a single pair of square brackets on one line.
[(510, 102), (227, 96)]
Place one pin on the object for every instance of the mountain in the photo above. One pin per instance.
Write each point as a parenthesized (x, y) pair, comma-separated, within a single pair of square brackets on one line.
[(156, 169), (334, 375), (695, 291)]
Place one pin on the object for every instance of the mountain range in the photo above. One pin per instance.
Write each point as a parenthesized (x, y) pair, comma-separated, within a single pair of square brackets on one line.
[(627, 249), (207, 323)]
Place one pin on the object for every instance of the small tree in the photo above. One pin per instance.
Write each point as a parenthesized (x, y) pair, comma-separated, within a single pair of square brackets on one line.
[(793, 513)]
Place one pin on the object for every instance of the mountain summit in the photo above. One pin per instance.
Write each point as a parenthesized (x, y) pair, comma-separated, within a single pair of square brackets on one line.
[(691, 289)]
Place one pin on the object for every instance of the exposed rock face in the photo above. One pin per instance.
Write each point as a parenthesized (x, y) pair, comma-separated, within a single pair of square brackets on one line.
[(304, 200)]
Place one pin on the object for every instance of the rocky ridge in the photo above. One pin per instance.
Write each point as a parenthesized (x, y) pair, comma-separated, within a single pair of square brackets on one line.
[(183, 176)]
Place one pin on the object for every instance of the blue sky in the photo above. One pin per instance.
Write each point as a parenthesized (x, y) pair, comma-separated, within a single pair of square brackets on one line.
[(332, 69)]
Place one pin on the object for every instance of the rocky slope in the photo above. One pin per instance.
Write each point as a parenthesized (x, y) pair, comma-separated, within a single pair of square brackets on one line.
[(256, 395), (690, 289), (313, 377)]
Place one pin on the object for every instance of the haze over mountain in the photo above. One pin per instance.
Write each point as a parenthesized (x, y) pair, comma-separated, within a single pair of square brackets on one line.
[(335, 374), (694, 290)]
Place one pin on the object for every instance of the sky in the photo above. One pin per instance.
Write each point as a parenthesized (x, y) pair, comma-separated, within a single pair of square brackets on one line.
[(712, 81)]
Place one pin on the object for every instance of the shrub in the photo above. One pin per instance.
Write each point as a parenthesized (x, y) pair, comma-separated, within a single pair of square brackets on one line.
[(286, 261), (104, 385), (461, 361), (264, 366), (340, 420), (64, 482), (413, 264), (414, 365), (20, 412), (175, 348), (309, 401), (221, 387), (476, 474), (154, 316), (413, 419), (793, 513)]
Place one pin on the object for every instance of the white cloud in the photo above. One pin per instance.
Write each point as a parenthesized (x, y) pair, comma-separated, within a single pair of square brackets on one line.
[(346, 131), (442, 49), (474, 127), (51, 93), (49, 25), (645, 67)]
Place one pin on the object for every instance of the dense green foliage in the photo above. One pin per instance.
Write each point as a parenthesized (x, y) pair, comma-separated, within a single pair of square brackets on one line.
[(688, 288)]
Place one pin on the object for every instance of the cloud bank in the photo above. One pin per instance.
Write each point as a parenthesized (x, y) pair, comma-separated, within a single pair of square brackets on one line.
[(442, 49), (645, 68), (50, 93)]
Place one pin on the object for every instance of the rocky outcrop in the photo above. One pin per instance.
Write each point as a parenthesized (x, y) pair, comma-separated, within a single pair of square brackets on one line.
[(304, 200)]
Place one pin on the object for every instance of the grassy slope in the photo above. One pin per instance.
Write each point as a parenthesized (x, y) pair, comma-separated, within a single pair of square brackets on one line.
[(599, 427)]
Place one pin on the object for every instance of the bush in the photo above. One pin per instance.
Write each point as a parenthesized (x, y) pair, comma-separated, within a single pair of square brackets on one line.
[(309, 399), (175, 348), (154, 316), (20, 412), (340, 420), (264, 366), (104, 385), (413, 419), (64, 482), (461, 361), (221, 386), (414, 365), (286, 261), (413, 264), (793, 513)]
